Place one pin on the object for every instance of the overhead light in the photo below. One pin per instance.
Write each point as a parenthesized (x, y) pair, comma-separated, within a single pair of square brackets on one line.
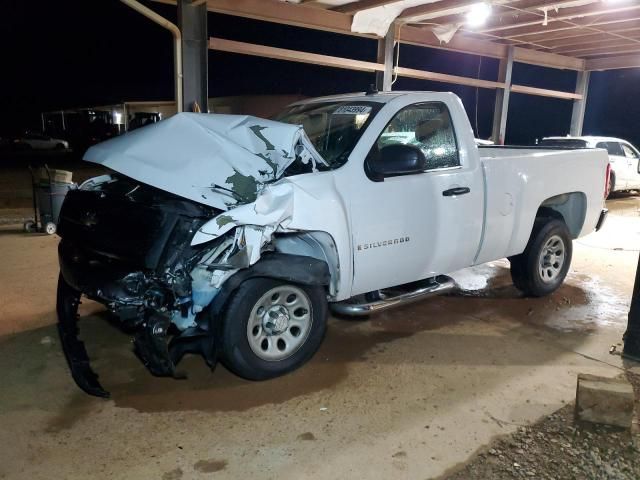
[(478, 14)]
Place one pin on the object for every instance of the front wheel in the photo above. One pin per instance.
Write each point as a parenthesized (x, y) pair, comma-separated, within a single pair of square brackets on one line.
[(272, 327), (544, 264)]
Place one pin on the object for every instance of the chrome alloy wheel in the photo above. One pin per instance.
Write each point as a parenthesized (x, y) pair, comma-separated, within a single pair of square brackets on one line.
[(551, 259), (279, 323)]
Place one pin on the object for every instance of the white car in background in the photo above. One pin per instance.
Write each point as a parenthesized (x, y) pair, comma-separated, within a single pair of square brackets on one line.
[(623, 157), (39, 141)]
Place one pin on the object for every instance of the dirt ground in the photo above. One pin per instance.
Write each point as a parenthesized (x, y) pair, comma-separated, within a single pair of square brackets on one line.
[(419, 392)]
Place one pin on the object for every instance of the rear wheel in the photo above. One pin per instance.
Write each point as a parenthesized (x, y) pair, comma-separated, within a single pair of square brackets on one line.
[(272, 327), (611, 186), (544, 264)]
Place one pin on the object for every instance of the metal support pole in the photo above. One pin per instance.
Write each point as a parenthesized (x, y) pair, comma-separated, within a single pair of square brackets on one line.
[(64, 127), (632, 335), (42, 120), (192, 20), (177, 44), (501, 109), (385, 55), (579, 106)]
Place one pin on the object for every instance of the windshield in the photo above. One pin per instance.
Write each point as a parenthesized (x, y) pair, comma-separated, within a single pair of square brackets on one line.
[(334, 128), (563, 142)]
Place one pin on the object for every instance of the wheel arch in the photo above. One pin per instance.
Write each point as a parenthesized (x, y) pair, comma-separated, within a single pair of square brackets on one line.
[(300, 269), (571, 208)]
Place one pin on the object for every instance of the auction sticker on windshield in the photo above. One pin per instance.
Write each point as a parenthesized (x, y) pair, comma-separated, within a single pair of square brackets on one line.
[(352, 110)]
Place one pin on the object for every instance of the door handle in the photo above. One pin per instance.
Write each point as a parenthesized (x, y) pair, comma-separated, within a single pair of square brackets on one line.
[(452, 192)]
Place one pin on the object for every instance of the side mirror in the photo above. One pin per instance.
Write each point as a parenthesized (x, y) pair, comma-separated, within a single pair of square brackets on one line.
[(395, 160)]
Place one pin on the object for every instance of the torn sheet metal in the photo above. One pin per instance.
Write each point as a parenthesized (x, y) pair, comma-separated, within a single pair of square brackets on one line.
[(272, 209), (217, 160)]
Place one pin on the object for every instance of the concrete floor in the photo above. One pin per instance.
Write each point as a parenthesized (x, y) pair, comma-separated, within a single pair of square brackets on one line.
[(408, 394)]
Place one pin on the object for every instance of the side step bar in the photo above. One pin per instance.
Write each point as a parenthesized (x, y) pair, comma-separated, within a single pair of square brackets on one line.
[(397, 296)]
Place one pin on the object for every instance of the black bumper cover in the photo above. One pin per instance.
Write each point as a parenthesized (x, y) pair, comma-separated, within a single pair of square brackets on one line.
[(603, 217)]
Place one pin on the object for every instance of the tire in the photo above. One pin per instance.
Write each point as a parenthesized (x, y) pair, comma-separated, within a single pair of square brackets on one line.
[(257, 349), (544, 264), (50, 228), (612, 184), (59, 146)]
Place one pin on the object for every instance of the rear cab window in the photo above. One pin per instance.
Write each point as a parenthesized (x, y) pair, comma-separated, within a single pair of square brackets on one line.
[(563, 143)]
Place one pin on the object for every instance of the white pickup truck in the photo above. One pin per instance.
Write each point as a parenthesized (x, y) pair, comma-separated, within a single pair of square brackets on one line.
[(233, 236)]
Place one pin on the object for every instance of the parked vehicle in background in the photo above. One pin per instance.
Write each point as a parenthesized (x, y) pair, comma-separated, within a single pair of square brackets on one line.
[(232, 236), (40, 141), (623, 158)]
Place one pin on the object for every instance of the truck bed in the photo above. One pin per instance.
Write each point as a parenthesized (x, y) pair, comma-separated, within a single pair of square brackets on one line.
[(520, 180)]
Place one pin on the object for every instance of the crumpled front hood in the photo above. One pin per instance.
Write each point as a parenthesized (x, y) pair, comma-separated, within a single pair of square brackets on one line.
[(217, 160)]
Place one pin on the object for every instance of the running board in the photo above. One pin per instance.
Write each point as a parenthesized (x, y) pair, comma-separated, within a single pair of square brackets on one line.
[(397, 296)]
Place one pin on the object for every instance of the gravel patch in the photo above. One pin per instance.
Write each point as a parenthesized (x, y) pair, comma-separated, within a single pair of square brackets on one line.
[(559, 448)]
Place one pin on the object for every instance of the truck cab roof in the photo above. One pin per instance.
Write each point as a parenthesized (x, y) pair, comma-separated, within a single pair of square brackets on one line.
[(380, 97)]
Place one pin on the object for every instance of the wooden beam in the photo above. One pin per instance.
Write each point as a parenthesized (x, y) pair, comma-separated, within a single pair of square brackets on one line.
[(565, 14), (285, 13), (589, 38), (545, 93), (435, 10), (243, 48), (575, 31), (546, 59), (444, 78), (598, 46), (329, 20), (588, 24), (449, 11), (613, 63), (355, 7), (609, 51), (426, 38)]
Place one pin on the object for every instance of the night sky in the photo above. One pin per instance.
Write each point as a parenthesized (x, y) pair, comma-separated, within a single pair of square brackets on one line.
[(72, 53)]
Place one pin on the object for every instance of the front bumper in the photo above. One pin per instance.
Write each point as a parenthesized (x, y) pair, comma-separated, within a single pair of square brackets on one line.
[(158, 347), (603, 217)]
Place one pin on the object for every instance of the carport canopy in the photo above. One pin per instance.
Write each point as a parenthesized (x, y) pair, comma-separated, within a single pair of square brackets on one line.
[(578, 35)]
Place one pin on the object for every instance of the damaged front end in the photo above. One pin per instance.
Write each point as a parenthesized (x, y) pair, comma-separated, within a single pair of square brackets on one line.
[(128, 246), (195, 199)]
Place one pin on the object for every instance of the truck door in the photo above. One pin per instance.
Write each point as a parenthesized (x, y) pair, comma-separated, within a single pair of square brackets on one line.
[(415, 226), (632, 166)]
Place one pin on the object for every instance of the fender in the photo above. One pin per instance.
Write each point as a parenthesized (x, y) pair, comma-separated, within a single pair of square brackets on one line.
[(282, 266)]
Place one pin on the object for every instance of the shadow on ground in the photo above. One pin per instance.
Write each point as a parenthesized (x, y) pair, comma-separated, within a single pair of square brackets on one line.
[(501, 333)]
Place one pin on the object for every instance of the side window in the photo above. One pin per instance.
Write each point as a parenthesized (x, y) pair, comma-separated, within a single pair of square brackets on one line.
[(608, 146), (629, 152), (614, 148), (427, 126)]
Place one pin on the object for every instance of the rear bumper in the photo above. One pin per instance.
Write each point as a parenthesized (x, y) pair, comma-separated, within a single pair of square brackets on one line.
[(602, 219)]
